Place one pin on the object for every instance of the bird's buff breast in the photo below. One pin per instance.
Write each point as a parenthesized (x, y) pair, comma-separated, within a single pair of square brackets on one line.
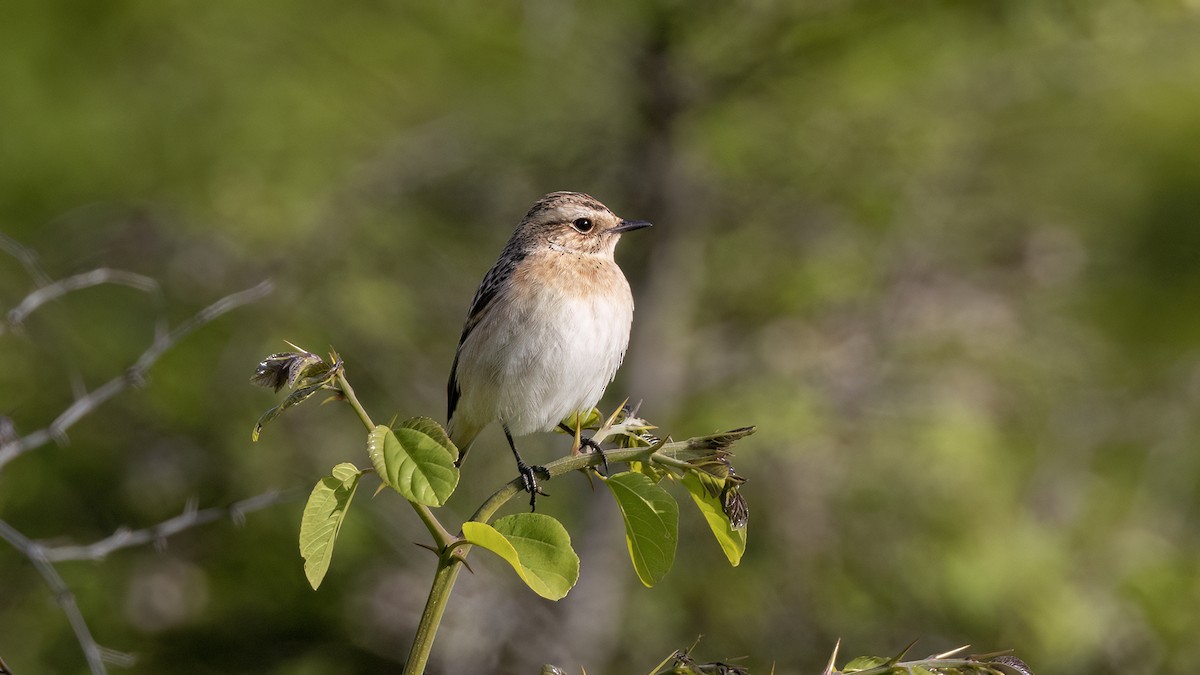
[(551, 345)]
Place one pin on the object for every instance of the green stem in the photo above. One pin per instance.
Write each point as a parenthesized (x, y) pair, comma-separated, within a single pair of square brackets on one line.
[(667, 460), (450, 562), (441, 535), (448, 567), (435, 606), (352, 399), (566, 465)]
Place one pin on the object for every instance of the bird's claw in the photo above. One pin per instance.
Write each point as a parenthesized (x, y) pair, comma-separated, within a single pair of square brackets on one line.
[(529, 482), (593, 446)]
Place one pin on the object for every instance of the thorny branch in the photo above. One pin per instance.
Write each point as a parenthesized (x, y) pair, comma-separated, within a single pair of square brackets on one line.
[(12, 445)]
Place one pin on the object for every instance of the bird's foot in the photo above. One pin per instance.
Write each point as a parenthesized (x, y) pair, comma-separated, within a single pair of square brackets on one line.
[(529, 481), (588, 445)]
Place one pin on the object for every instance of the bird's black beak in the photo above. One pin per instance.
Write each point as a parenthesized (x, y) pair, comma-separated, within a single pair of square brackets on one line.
[(630, 225)]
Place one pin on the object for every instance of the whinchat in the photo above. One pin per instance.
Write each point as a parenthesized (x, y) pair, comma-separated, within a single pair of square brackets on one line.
[(547, 329)]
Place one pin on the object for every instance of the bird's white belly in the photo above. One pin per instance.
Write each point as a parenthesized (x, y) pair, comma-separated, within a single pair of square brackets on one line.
[(561, 359), (547, 356)]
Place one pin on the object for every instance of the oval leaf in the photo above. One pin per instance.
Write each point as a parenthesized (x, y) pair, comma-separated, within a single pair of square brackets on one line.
[(732, 541), (432, 429), (416, 460), (537, 546), (651, 524), (323, 515)]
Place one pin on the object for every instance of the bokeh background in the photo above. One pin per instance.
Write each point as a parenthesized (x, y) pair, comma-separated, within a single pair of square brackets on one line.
[(944, 254)]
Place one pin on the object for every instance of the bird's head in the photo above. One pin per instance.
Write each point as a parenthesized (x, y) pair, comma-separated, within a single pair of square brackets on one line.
[(575, 222)]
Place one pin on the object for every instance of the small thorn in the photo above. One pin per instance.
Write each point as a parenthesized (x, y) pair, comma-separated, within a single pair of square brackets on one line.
[(833, 658), (457, 555), (613, 417), (952, 652), (427, 547), (903, 652)]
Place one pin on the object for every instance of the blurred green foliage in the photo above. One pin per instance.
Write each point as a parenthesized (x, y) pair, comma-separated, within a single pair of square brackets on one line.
[(944, 254)]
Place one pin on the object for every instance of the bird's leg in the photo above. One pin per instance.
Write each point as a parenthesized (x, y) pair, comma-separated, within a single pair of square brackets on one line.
[(528, 473), (588, 443)]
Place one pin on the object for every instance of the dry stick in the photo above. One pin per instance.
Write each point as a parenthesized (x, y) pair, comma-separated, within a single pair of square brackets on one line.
[(84, 405), (62, 595), (191, 517), (26, 256), (135, 374), (97, 277), (43, 558)]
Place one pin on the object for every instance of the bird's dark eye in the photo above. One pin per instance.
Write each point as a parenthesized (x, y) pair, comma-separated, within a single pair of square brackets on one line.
[(583, 224)]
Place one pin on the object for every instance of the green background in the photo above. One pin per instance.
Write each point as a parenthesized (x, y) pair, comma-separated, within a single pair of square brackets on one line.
[(945, 254)]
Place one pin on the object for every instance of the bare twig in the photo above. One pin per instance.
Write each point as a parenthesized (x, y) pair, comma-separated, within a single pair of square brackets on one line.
[(26, 257), (54, 290), (62, 594), (12, 446), (191, 517), (135, 374), (43, 558)]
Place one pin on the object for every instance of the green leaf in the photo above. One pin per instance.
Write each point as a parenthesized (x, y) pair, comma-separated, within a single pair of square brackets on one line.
[(712, 485), (323, 515), (536, 545), (732, 541), (295, 398), (589, 419), (864, 663), (652, 472), (416, 460), (651, 524)]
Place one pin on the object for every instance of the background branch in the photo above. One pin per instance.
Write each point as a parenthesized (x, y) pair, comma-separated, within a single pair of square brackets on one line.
[(12, 445), (135, 374), (97, 277), (26, 256), (191, 517), (62, 594)]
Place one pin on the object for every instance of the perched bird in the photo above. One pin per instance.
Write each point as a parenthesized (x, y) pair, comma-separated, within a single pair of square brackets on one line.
[(547, 329)]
